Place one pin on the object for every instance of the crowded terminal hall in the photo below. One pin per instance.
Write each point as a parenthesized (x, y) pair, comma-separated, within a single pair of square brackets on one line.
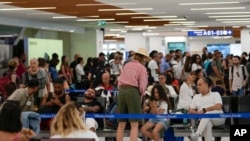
[(124, 70)]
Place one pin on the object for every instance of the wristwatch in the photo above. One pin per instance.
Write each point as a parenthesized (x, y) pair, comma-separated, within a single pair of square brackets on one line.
[(204, 110)]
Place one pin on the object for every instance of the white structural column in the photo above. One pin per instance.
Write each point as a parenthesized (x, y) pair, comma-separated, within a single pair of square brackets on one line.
[(99, 41), (135, 40), (245, 43), (155, 43)]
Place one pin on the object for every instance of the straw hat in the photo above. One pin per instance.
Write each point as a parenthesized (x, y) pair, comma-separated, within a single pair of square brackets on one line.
[(149, 90), (142, 51)]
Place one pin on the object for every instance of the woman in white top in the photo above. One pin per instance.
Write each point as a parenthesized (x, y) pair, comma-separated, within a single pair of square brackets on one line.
[(186, 92), (159, 104), (75, 128), (196, 62), (168, 88), (79, 69)]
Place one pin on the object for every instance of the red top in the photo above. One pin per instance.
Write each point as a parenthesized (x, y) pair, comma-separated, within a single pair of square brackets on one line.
[(134, 74), (20, 70), (107, 87)]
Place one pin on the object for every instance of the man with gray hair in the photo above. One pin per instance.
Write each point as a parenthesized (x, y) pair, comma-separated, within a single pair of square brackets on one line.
[(34, 72)]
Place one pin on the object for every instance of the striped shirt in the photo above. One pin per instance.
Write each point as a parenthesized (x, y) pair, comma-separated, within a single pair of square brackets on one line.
[(134, 74), (42, 77)]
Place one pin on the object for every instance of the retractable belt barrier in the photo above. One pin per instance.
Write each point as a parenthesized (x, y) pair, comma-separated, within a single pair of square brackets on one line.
[(83, 90), (168, 116)]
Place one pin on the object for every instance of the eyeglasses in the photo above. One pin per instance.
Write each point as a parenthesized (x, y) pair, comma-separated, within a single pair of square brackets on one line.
[(238, 74)]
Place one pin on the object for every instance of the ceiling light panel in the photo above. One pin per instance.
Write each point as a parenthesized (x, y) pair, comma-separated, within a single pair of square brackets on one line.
[(218, 13), (238, 19), (31, 8), (40, 13), (218, 8), (185, 22), (153, 20), (7, 2), (94, 16), (197, 26), (130, 14), (135, 9), (64, 17), (208, 3), (100, 4), (85, 20), (118, 22), (230, 16), (150, 17)]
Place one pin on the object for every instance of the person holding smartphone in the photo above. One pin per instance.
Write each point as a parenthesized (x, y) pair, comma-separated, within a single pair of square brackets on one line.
[(52, 102)]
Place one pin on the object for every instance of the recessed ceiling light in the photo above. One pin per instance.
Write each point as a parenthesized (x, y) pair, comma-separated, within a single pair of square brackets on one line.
[(133, 26), (7, 2), (238, 19), (230, 16), (40, 13), (207, 3), (152, 20), (118, 22), (236, 26), (82, 20), (197, 26), (218, 13), (94, 16), (171, 24), (218, 8), (130, 14), (150, 17), (100, 4), (117, 29), (31, 8), (64, 17), (112, 35), (135, 9), (184, 22)]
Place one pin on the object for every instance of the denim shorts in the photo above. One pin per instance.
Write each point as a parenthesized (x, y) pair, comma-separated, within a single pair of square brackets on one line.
[(164, 122)]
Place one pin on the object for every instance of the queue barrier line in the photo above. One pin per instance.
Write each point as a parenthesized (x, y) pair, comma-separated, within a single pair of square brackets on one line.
[(168, 116), (84, 90)]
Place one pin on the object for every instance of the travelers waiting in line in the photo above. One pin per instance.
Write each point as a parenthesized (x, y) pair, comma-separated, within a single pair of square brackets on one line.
[(10, 123), (159, 104), (91, 105), (132, 84), (205, 103), (70, 116), (25, 95)]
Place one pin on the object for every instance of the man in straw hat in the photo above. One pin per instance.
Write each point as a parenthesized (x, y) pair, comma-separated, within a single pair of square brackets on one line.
[(132, 84)]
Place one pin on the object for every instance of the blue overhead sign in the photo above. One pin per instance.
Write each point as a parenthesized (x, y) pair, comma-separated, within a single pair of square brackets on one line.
[(210, 33)]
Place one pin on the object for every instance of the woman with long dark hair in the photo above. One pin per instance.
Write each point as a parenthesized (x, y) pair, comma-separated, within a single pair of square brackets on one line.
[(65, 69), (159, 104), (10, 123)]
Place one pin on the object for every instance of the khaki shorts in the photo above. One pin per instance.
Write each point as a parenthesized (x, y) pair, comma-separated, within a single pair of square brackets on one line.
[(129, 102)]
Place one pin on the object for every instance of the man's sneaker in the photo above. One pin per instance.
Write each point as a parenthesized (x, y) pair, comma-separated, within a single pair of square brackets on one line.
[(194, 137)]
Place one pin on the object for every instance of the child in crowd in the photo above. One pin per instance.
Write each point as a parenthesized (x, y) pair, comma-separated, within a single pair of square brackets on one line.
[(159, 104), (218, 88)]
